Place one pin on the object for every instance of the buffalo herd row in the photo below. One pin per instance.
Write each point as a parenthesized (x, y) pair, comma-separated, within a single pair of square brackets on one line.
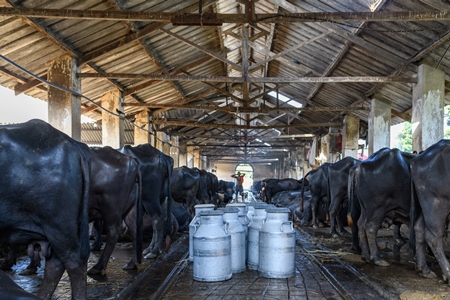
[(52, 187), (390, 187)]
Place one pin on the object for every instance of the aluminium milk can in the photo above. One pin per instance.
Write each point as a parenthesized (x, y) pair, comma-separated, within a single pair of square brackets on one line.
[(194, 224), (237, 232), (277, 245), (242, 215), (259, 215), (212, 248)]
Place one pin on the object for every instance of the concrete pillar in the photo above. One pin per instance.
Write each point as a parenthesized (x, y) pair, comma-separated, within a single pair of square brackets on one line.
[(428, 107), (183, 157), (190, 157), (159, 140), (64, 108), (197, 160), (113, 132), (141, 134), (379, 125), (324, 149), (175, 151), (166, 148), (350, 136)]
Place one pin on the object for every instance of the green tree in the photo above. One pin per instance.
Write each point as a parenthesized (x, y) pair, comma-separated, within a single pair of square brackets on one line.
[(405, 138)]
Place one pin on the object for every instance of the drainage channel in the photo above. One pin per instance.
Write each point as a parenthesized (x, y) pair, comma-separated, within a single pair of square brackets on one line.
[(348, 281)]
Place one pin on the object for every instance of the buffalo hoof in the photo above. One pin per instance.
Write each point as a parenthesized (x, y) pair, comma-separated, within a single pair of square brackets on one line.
[(336, 235), (151, 255), (28, 271), (94, 271), (129, 266), (429, 275), (146, 251), (381, 262)]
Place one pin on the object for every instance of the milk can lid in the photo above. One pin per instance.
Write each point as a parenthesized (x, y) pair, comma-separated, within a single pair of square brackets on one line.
[(261, 205), (211, 213), (278, 210), (229, 209)]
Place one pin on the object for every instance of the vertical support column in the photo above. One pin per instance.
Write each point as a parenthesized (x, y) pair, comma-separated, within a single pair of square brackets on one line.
[(350, 136), (183, 157), (112, 126), (64, 109), (166, 148), (324, 149), (428, 107), (159, 140), (197, 161), (190, 157), (379, 125), (141, 134), (175, 151)]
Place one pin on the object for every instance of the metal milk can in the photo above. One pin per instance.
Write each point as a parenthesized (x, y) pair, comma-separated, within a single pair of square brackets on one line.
[(194, 224), (237, 232), (250, 211), (277, 245), (212, 248), (242, 215), (254, 227)]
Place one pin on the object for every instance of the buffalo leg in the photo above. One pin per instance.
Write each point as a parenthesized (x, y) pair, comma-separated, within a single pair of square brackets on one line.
[(158, 229), (98, 243), (10, 259), (363, 237), (112, 235), (399, 242), (421, 263), (314, 205), (53, 272), (434, 233), (371, 233), (131, 225)]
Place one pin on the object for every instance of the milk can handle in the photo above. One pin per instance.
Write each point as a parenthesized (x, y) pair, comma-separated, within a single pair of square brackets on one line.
[(289, 222), (196, 226), (225, 227)]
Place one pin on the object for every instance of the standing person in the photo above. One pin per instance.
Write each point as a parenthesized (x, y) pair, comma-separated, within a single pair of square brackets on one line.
[(239, 187)]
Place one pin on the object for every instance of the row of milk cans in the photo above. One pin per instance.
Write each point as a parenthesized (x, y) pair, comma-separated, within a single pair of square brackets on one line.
[(256, 236)]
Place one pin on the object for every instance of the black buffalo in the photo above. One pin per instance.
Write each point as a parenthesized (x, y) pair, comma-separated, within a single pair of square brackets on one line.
[(382, 187), (184, 186), (207, 189), (270, 187), (318, 187), (115, 190), (430, 207), (338, 192), (226, 188), (44, 193), (156, 171), (256, 189)]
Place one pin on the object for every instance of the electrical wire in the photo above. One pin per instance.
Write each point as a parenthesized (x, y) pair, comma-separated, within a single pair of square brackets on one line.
[(119, 113)]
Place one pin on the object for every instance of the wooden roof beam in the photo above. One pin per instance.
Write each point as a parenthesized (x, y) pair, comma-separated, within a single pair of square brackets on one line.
[(233, 126), (238, 109), (168, 77), (181, 18)]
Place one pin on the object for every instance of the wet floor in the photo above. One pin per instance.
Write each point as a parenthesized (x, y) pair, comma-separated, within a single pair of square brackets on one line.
[(325, 268)]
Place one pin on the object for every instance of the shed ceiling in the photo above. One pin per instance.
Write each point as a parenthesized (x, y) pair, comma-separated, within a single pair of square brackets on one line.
[(210, 71)]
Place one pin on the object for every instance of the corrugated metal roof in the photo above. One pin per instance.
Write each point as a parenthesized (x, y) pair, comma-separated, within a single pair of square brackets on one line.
[(285, 48)]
